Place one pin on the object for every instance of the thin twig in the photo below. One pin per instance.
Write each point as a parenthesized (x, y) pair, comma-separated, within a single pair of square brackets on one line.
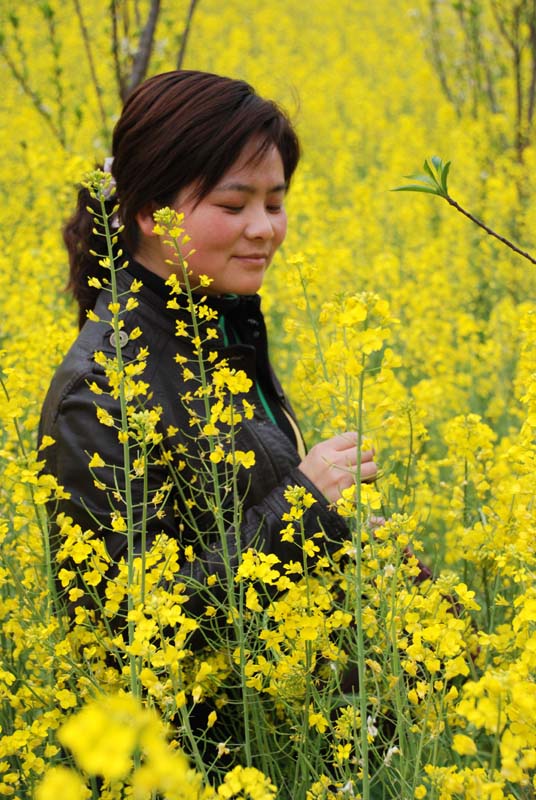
[(56, 72), (143, 54), (532, 45), (34, 97), (115, 52), (491, 232), (91, 62), (186, 33)]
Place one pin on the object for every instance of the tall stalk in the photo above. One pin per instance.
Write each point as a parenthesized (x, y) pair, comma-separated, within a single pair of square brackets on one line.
[(358, 618), (110, 261)]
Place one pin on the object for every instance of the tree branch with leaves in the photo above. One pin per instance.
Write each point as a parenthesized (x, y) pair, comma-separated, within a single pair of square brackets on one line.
[(434, 180)]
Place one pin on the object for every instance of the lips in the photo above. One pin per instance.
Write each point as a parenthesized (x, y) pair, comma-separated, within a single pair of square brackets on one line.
[(252, 256), (253, 260)]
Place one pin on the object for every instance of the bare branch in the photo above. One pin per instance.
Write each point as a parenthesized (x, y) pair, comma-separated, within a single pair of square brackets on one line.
[(33, 96), (532, 48), (186, 33), (120, 79), (143, 54), (490, 231), (501, 23), (89, 53)]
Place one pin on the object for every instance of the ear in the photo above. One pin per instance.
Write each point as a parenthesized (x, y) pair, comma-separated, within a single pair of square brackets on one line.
[(144, 218)]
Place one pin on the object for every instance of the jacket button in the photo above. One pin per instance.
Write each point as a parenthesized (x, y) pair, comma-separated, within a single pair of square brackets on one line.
[(123, 338)]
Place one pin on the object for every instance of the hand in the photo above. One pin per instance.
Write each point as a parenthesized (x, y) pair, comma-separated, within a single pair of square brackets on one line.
[(332, 465)]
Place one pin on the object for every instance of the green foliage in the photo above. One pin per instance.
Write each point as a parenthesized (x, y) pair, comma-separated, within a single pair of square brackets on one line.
[(433, 181)]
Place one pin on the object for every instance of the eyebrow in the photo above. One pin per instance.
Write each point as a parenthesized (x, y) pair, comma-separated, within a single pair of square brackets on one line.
[(244, 187)]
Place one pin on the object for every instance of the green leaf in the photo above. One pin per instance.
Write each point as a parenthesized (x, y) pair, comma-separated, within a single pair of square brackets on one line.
[(444, 176), (422, 178), (417, 188), (46, 10), (428, 169), (432, 181)]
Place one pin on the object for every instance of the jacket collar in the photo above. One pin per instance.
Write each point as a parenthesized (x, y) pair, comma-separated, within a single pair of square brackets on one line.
[(154, 296), (226, 305)]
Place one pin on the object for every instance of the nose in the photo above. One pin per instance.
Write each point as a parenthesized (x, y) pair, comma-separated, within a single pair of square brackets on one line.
[(259, 225)]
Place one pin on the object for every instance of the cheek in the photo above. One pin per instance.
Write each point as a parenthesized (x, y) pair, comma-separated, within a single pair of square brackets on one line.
[(215, 233)]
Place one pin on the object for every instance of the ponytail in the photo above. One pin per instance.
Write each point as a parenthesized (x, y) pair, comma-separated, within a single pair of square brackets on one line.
[(80, 240)]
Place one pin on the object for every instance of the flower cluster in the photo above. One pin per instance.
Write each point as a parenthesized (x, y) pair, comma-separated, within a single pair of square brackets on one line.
[(358, 674)]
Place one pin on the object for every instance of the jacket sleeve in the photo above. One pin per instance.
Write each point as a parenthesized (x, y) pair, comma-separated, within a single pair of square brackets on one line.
[(79, 434)]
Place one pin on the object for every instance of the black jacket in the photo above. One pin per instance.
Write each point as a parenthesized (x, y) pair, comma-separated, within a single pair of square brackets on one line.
[(69, 416)]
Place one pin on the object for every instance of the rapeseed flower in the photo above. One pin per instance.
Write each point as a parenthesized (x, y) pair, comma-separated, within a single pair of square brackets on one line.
[(373, 290)]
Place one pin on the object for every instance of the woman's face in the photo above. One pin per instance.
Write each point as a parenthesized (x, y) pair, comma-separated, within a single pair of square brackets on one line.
[(236, 228)]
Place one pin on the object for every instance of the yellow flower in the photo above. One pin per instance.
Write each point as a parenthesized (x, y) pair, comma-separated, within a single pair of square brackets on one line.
[(246, 460), (252, 599), (217, 454), (318, 721), (105, 418), (343, 752), (246, 782), (103, 735), (62, 782), (118, 522), (212, 717), (66, 698), (310, 548), (463, 745), (96, 461)]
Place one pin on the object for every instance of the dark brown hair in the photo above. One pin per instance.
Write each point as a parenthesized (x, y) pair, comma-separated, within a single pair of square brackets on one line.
[(177, 129)]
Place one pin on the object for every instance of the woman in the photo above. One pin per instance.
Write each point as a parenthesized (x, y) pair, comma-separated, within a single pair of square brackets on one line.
[(212, 149)]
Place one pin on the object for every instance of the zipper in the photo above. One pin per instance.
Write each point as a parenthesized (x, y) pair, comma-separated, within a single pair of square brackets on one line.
[(300, 444)]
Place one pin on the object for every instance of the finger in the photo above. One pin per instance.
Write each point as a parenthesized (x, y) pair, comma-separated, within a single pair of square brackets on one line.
[(367, 455), (369, 472), (348, 458), (345, 482), (348, 462), (344, 440), (348, 465), (376, 522)]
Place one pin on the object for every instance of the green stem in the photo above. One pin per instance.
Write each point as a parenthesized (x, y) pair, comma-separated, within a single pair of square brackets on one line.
[(420, 746), (410, 458), (300, 775), (43, 526), (398, 674), (359, 601), (315, 329), (135, 685), (237, 619), (185, 723), (144, 517), (466, 495)]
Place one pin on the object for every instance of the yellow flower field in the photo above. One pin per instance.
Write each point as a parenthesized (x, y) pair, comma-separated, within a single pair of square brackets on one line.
[(387, 311)]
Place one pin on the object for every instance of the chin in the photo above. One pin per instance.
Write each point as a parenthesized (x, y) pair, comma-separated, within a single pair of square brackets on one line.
[(249, 286)]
